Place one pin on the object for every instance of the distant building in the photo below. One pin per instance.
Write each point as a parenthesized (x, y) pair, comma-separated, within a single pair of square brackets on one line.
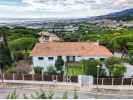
[(45, 54), (48, 37)]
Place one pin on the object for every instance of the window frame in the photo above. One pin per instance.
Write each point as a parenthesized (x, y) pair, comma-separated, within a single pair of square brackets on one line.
[(71, 58), (50, 58), (40, 58), (102, 59), (91, 58)]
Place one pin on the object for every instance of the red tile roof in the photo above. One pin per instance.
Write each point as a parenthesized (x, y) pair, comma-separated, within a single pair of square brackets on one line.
[(70, 49)]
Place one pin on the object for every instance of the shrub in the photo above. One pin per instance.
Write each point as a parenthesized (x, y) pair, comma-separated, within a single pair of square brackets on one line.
[(65, 95), (118, 70), (51, 70), (39, 95), (130, 61), (12, 95), (75, 71), (90, 66), (125, 59), (111, 62), (38, 70), (25, 97), (18, 55), (50, 95), (75, 95), (10, 70), (42, 95), (23, 67)]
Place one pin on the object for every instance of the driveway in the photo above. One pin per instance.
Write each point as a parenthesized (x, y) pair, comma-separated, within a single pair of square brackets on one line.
[(129, 70)]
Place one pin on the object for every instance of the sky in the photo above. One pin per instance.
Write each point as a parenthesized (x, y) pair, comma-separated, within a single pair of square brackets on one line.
[(61, 8)]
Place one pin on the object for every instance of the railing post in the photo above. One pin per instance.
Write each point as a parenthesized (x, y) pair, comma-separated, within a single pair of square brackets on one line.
[(52, 77), (13, 76), (68, 78), (0, 76), (131, 81), (112, 81), (122, 80), (3, 76), (97, 81), (42, 75), (102, 81), (56, 78), (64, 78), (33, 78), (23, 77)]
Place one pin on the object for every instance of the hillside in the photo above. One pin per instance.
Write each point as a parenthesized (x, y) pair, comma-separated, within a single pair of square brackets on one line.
[(125, 15)]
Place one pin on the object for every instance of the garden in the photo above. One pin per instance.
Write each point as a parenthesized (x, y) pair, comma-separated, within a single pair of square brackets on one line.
[(19, 41), (89, 67)]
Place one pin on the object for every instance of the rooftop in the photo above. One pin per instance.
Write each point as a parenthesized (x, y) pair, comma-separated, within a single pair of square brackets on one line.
[(70, 49)]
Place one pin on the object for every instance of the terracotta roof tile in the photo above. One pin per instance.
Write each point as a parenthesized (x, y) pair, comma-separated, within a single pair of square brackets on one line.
[(70, 49)]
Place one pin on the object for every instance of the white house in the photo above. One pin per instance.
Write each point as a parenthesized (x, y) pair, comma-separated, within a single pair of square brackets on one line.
[(45, 54)]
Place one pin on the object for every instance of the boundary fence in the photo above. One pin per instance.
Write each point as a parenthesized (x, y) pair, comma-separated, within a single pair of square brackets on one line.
[(60, 78), (39, 77), (113, 81)]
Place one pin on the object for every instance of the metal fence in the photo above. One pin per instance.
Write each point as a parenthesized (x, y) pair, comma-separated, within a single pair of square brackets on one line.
[(39, 77), (60, 78), (113, 81)]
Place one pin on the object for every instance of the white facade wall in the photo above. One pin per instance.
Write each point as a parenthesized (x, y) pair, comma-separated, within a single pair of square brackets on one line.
[(45, 63)]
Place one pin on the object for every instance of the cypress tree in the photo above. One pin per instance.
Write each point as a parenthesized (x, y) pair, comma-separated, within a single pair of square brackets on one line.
[(5, 56), (59, 64)]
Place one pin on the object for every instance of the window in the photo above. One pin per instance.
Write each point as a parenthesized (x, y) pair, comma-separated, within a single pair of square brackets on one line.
[(46, 38), (91, 58), (71, 58), (102, 59), (40, 58), (50, 58)]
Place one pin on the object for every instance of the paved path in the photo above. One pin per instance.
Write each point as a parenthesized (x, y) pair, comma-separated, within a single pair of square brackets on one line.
[(64, 85), (103, 91), (39, 82), (129, 72)]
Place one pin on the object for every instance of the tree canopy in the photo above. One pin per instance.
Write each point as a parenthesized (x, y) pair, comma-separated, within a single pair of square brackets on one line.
[(23, 43)]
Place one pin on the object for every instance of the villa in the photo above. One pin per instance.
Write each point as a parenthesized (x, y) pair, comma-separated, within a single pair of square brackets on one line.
[(48, 37), (45, 54)]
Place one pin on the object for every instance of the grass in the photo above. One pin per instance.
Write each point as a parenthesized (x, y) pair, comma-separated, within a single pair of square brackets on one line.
[(75, 70)]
